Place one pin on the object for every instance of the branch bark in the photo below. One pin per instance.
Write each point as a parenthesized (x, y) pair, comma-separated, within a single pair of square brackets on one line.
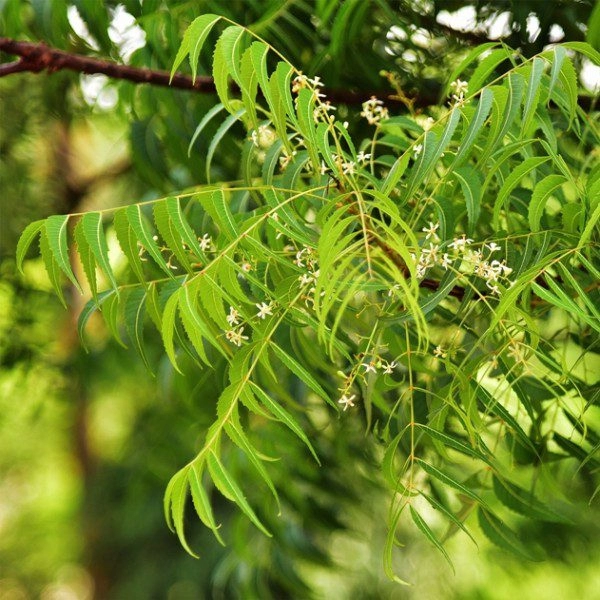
[(38, 57)]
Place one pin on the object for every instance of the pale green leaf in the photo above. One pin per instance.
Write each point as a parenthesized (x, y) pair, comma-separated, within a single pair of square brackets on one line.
[(449, 481), (542, 191), (533, 92), (27, 238), (87, 258), (470, 182), (426, 530), (230, 489), (225, 126), (129, 243), (52, 268), (482, 111), (91, 226), (134, 313), (284, 416), (175, 500), (193, 40), (56, 232), (501, 535), (144, 236), (201, 501), (525, 168), (206, 119), (295, 367)]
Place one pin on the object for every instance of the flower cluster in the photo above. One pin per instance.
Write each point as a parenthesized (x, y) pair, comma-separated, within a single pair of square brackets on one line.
[(374, 111), (321, 112), (263, 137), (473, 262), (236, 334), (305, 259), (374, 365), (302, 81), (460, 88)]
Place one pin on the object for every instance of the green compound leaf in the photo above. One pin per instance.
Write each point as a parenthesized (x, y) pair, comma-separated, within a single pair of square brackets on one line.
[(427, 531), (525, 503), (501, 535), (56, 236), (542, 191), (174, 505), (91, 226), (225, 483), (201, 501), (282, 415), (27, 238), (470, 182), (193, 40)]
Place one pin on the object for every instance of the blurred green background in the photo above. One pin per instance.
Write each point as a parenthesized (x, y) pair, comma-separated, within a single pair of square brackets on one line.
[(89, 439)]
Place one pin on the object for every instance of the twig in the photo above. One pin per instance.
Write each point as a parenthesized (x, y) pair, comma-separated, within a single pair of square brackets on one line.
[(37, 57)]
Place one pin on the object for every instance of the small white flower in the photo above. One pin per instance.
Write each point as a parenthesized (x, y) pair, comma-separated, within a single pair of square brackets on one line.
[(299, 82), (431, 230), (306, 278), (369, 367), (316, 82), (233, 316), (445, 261), (246, 267), (323, 111), (374, 111), (393, 289), (493, 288), (417, 150), (460, 243), (362, 158), (264, 309), (285, 160), (493, 247), (429, 122), (389, 367), (348, 168), (205, 242), (515, 351), (236, 336), (439, 352), (324, 169), (347, 401)]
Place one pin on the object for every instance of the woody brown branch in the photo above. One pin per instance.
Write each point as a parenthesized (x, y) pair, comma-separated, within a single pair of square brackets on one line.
[(38, 57)]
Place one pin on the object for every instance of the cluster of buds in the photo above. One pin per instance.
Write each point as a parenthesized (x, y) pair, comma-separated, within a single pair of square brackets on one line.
[(263, 137), (374, 111), (473, 262), (305, 259), (460, 88), (321, 112)]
